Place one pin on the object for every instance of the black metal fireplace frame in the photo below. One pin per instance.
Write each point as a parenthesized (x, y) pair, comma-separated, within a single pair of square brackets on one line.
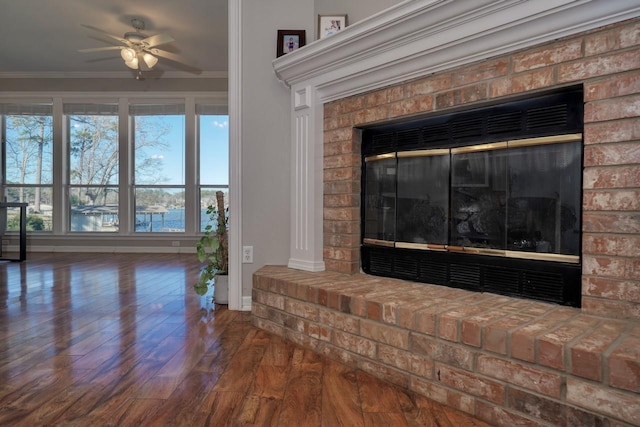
[(548, 114)]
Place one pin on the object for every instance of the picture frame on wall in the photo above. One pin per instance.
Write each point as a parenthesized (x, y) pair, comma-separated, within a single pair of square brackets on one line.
[(330, 24), (289, 41)]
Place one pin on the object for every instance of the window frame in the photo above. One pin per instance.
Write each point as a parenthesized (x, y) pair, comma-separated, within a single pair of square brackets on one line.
[(61, 182), (40, 107), (88, 109), (208, 110)]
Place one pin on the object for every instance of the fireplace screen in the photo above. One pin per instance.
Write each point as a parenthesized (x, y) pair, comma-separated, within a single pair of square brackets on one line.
[(510, 198), (500, 214)]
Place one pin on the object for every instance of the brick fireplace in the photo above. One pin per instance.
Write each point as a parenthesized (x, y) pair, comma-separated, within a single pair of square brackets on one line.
[(508, 361), (607, 63)]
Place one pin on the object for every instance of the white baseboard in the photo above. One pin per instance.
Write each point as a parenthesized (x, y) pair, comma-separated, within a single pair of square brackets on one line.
[(246, 303), (107, 249)]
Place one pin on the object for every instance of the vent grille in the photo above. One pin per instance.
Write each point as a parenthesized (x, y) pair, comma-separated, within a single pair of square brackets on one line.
[(432, 272), (547, 117), (381, 143), (521, 278), (554, 113), (380, 264), (406, 266), (502, 281), (465, 276), (469, 128), (409, 138), (547, 286), (436, 133), (504, 123)]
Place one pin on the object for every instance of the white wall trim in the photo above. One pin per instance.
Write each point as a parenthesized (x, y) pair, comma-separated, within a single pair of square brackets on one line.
[(236, 301), (150, 75), (208, 97), (103, 249), (246, 303)]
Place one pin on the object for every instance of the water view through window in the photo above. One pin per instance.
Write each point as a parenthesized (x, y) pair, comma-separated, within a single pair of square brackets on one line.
[(160, 177), (93, 167)]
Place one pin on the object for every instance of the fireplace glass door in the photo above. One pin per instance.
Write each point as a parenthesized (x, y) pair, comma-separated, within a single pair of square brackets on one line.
[(508, 198), (478, 196), (423, 209), (380, 199), (517, 196)]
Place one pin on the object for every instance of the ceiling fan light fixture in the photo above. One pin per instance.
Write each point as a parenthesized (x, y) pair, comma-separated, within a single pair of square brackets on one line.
[(128, 54), (139, 51), (133, 64), (150, 60)]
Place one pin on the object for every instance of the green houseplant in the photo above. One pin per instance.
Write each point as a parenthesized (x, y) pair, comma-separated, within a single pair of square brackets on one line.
[(213, 251)]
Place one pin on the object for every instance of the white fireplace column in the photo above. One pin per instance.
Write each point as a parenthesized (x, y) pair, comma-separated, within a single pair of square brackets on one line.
[(306, 180)]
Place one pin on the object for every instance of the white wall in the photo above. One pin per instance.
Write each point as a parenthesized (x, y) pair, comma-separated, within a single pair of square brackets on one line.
[(266, 121), (266, 142)]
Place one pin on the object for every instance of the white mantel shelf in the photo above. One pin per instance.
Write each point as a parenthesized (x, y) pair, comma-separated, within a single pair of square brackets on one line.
[(412, 39), (419, 37)]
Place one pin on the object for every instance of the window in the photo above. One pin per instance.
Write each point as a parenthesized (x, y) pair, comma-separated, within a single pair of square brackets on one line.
[(98, 167), (159, 167), (214, 156), (27, 155), (93, 167)]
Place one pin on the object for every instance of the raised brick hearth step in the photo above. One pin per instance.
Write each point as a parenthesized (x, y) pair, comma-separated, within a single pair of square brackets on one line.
[(507, 361)]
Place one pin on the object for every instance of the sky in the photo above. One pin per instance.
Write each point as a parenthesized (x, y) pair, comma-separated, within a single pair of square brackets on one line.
[(214, 151), (214, 154)]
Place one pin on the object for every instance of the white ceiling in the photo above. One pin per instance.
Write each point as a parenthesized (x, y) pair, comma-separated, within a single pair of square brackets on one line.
[(42, 37)]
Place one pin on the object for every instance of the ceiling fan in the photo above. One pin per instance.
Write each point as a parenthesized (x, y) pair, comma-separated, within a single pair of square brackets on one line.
[(138, 51)]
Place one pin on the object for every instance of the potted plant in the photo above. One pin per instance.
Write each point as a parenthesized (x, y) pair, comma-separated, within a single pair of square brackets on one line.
[(213, 251)]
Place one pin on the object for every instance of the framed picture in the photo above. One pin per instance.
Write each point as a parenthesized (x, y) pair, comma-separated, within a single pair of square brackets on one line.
[(289, 40), (330, 24)]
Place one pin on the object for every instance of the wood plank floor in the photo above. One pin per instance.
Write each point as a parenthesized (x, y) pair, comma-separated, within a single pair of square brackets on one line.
[(122, 340)]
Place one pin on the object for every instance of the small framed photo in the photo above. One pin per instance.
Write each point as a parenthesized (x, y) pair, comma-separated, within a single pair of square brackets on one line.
[(330, 24), (289, 40)]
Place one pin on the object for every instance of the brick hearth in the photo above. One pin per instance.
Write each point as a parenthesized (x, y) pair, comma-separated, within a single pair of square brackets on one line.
[(507, 361)]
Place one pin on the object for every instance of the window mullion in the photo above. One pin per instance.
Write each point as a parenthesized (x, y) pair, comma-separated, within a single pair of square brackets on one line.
[(125, 184), (192, 202), (60, 162)]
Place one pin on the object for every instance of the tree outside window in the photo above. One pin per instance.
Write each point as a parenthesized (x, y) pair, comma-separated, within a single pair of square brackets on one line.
[(29, 166)]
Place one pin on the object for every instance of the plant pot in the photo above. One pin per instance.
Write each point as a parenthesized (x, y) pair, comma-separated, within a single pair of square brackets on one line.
[(221, 289)]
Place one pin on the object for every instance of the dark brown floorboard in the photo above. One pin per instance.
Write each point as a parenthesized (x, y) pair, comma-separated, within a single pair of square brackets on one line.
[(122, 340)]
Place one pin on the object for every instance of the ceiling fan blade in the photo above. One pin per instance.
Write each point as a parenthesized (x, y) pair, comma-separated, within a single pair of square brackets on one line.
[(183, 63), (157, 40), (173, 57), (99, 49), (120, 39)]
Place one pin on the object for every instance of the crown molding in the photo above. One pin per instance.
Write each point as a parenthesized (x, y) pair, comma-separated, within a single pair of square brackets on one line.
[(417, 38), (205, 97), (113, 75)]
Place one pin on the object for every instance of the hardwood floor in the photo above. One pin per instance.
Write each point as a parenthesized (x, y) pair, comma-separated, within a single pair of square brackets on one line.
[(122, 340)]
